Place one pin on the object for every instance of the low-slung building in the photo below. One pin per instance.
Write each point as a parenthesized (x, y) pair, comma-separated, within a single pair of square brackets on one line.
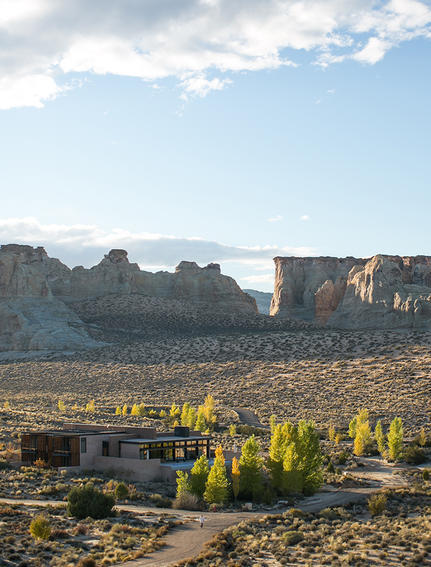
[(138, 453)]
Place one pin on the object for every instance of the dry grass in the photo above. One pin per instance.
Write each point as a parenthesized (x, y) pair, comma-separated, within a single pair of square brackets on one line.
[(337, 537), (323, 375)]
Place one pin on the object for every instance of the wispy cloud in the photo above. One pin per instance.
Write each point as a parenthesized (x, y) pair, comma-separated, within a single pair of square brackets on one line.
[(200, 43), (259, 278), (277, 218), (86, 245), (305, 218)]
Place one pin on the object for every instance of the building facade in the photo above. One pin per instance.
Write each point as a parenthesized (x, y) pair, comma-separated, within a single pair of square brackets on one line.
[(138, 453)]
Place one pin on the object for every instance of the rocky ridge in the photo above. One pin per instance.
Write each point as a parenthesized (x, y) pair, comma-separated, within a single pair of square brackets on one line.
[(355, 293), (43, 302)]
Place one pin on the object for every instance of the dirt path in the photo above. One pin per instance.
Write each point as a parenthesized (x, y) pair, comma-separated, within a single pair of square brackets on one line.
[(248, 417), (186, 541)]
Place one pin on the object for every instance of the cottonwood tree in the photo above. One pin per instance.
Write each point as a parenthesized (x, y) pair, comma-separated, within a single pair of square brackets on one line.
[(199, 476), (250, 465), (277, 451), (217, 485), (360, 431), (236, 475), (310, 456), (380, 438), (395, 439), (183, 486)]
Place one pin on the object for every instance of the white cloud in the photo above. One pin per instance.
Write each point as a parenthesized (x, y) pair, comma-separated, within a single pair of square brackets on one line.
[(261, 278), (305, 218), (200, 86), (201, 43), (86, 245), (277, 218), (28, 90)]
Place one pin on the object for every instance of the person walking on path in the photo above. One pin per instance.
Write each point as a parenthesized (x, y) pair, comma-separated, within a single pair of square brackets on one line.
[(201, 521)]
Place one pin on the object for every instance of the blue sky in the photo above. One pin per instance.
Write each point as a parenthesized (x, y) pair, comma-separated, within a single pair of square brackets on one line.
[(220, 161)]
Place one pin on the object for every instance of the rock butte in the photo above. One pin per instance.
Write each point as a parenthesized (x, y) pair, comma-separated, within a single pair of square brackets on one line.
[(382, 292), (37, 293)]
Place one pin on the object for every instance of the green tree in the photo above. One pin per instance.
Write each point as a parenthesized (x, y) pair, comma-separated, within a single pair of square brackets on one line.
[(232, 430), (191, 418), (185, 414), (277, 451), (395, 439), (183, 485), (380, 438), (209, 411), (174, 412), (363, 439), (201, 424), (217, 486), (310, 457), (199, 476), (250, 464), (292, 476)]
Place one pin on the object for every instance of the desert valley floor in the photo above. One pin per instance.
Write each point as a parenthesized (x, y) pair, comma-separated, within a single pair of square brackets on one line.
[(323, 375)]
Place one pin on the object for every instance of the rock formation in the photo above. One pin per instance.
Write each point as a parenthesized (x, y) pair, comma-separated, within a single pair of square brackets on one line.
[(38, 293), (380, 292), (31, 318)]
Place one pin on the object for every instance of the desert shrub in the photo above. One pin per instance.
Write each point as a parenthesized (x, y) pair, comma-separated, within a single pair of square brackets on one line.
[(414, 455), (160, 501), (187, 501), (377, 503), (121, 491), (292, 537), (86, 562), (40, 464), (80, 529), (40, 528), (59, 534), (87, 501)]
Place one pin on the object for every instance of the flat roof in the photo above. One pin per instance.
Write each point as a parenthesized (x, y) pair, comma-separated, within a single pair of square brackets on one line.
[(72, 432), (164, 439)]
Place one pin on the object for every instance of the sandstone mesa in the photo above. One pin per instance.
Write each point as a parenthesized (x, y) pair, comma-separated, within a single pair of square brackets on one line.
[(382, 292), (38, 294)]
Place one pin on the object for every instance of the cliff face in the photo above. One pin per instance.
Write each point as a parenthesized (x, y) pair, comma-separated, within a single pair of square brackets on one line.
[(31, 318), (36, 293), (381, 292), (116, 275)]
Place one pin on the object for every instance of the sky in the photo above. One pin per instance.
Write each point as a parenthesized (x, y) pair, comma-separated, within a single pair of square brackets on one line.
[(227, 131)]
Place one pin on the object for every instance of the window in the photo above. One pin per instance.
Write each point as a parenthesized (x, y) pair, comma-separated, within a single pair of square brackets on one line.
[(83, 444), (105, 448)]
